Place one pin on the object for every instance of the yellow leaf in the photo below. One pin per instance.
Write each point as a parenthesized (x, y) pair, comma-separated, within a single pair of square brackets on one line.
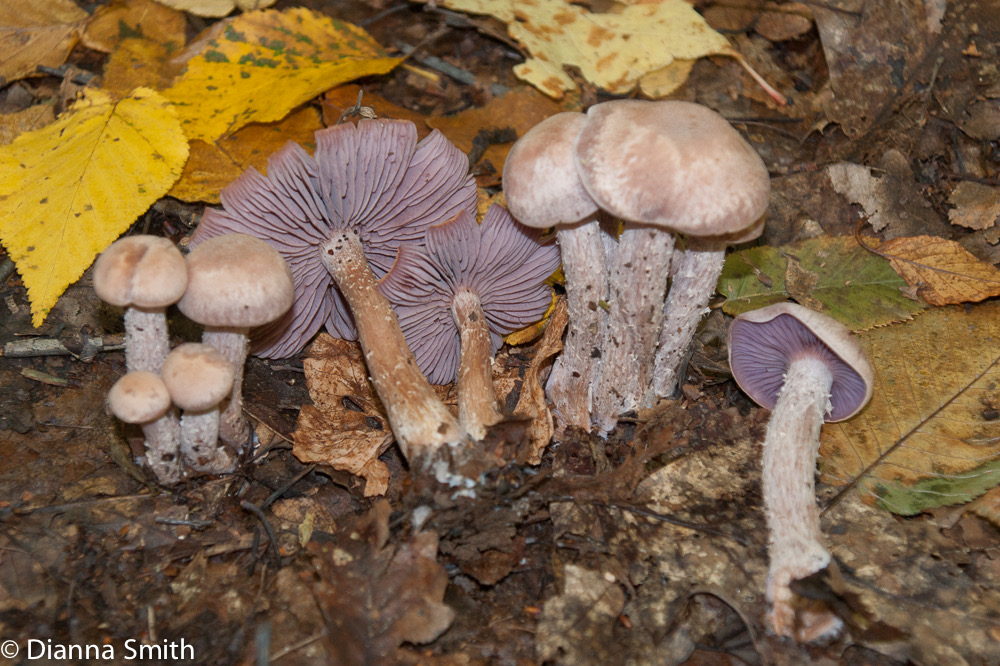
[(215, 8), (34, 33), (69, 189), (136, 63), (611, 50), (259, 66), (212, 166), (930, 436), (942, 271)]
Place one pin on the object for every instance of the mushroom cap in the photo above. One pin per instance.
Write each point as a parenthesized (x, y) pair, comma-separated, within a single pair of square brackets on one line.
[(139, 397), (762, 344), (374, 179), (142, 271), (672, 164), (501, 261), (238, 281), (197, 376), (540, 182)]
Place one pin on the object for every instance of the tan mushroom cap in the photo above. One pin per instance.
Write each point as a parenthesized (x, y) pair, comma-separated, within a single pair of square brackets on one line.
[(238, 281), (139, 397), (142, 271), (197, 376), (540, 182), (673, 164), (762, 343)]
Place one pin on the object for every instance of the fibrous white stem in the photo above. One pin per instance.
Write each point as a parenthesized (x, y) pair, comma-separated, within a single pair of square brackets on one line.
[(233, 344), (477, 400), (698, 271), (163, 449), (638, 282), (203, 452), (570, 383), (795, 544), (421, 422), (146, 340)]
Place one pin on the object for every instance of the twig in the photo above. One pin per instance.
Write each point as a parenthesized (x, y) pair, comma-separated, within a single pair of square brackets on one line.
[(461, 75), (285, 488), (252, 508), (31, 347)]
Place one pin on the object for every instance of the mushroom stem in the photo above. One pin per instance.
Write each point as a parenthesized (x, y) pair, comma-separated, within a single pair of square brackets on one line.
[(163, 448), (147, 342), (419, 420), (698, 271), (570, 383), (795, 542), (233, 344), (200, 442), (638, 282), (477, 400)]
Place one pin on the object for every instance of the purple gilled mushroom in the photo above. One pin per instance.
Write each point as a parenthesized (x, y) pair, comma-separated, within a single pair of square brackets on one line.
[(339, 217), (456, 296), (806, 368)]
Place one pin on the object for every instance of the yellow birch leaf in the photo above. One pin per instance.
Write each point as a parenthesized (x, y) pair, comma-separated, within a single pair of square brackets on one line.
[(71, 188), (215, 8), (34, 33), (942, 271), (259, 66), (930, 436), (613, 51)]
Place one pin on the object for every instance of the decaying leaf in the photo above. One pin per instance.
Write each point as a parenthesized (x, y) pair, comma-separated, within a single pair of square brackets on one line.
[(212, 166), (36, 33), (977, 206), (831, 274), (134, 63), (942, 271), (532, 404), (234, 70), (134, 19), (71, 188), (890, 201), (215, 8), (576, 626), (612, 50), (377, 596), (342, 98), (34, 117), (346, 428), (930, 436)]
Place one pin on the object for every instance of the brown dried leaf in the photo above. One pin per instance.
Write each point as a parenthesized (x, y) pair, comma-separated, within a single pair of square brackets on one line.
[(335, 102), (977, 206), (346, 428), (37, 33), (34, 117), (781, 21), (378, 596), (129, 19), (942, 271), (577, 626)]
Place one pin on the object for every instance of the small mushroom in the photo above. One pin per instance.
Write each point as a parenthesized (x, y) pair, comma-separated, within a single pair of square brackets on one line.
[(144, 274), (663, 167), (140, 397), (543, 189), (457, 295), (198, 379), (235, 282), (806, 368)]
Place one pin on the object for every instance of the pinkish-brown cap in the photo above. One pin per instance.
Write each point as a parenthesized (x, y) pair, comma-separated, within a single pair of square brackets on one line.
[(762, 344), (197, 376), (672, 164), (139, 397), (540, 182), (238, 281), (142, 271)]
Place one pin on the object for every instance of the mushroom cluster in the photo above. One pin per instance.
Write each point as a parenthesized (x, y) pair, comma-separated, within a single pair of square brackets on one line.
[(663, 168), (232, 283)]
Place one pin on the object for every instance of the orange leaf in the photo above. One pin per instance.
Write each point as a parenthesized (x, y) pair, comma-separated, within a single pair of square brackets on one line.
[(942, 271)]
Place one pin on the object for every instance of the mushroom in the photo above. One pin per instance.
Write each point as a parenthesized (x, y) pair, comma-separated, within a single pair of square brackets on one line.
[(698, 268), (198, 378), (806, 368), (456, 296), (141, 397), (662, 167), (235, 281), (542, 189), (144, 274), (342, 215)]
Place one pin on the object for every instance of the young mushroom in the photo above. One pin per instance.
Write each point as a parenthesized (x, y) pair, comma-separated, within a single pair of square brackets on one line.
[(338, 219), (198, 379), (140, 397), (459, 293), (663, 167), (806, 368), (235, 282), (144, 274), (542, 189)]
